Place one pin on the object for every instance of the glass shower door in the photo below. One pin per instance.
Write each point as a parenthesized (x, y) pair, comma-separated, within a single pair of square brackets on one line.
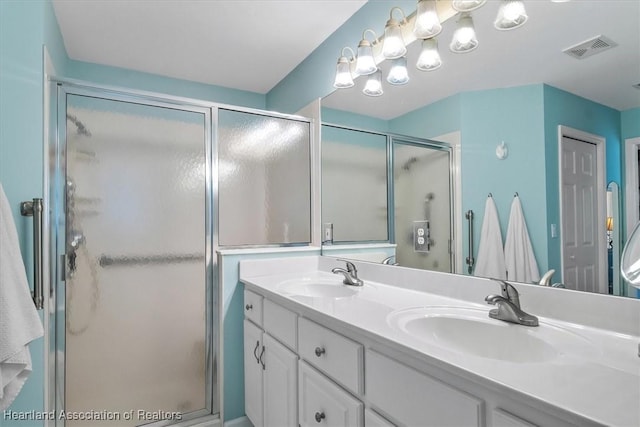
[(136, 330), (422, 204)]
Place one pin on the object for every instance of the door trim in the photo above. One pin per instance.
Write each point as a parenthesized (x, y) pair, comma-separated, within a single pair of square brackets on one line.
[(601, 194), (632, 198)]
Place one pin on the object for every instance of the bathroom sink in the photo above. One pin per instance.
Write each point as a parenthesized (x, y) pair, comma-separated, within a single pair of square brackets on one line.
[(316, 288), (471, 332)]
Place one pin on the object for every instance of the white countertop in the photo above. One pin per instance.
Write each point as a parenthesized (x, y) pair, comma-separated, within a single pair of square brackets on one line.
[(602, 385)]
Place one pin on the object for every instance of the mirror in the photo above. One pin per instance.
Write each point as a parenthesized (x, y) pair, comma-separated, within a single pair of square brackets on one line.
[(507, 101)]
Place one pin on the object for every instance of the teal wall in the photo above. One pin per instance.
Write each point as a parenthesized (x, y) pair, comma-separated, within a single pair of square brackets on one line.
[(136, 80), (438, 118), (566, 109), (353, 120), (630, 124), (233, 311), (515, 116), (25, 26), (313, 77)]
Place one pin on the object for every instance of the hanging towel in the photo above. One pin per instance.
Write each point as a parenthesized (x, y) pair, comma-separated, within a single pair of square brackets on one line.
[(490, 253), (518, 252), (19, 320)]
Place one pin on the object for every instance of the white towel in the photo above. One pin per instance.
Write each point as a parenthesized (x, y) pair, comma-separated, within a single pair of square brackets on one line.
[(491, 253), (518, 252), (19, 320)]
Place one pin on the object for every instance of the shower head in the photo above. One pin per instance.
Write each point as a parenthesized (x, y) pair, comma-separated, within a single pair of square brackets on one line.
[(82, 130), (407, 165)]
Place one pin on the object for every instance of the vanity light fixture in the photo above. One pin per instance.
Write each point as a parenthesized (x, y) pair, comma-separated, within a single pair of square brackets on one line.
[(393, 45), (398, 74), (344, 79), (427, 21), (511, 14), (429, 58), (373, 87), (464, 38), (365, 64), (467, 5)]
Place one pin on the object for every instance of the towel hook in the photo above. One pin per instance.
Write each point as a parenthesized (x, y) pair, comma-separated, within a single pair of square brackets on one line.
[(490, 195), (516, 194)]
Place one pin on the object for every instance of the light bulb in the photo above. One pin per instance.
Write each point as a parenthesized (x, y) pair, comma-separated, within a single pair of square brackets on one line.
[(511, 14), (467, 5), (398, 74), (427, 21), (343, 74), (365, 64), (429, 58), (373, 87), (464, 38)]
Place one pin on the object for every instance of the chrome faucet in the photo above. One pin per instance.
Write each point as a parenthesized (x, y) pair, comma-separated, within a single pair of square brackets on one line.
[(350, 274), (509, 306), (387, 260)]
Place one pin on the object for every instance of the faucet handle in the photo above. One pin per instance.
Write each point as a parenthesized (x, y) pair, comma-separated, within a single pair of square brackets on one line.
[(351, 268), (509, 292)]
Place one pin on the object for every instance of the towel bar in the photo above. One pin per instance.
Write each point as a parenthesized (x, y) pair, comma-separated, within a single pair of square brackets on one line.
[(34, 209)]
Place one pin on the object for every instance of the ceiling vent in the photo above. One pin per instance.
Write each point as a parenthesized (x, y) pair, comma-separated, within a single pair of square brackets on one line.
[(590, 47)]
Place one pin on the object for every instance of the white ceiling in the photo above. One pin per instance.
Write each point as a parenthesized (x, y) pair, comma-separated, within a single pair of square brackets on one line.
[(241, 44), (527, 55), (253, 44)]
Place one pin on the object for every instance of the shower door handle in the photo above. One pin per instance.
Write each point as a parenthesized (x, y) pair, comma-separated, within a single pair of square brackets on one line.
[(34, 209)]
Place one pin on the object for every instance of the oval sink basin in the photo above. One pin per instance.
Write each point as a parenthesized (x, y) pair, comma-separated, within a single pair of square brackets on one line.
[(470, 331), (316, 288)]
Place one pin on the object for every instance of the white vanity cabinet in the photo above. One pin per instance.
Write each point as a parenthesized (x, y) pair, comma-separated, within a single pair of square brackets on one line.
[(271, 369)]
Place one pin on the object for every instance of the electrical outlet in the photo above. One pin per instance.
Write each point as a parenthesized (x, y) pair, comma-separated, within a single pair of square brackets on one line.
[(421, 236)]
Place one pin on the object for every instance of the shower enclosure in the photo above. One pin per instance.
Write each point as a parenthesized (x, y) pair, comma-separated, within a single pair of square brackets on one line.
[(422, 204), (135, 320)]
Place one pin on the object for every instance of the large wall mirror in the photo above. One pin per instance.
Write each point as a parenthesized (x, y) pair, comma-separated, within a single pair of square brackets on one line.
[(513, 108)]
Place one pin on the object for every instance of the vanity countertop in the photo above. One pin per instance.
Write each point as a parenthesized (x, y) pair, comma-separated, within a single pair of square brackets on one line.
[(598, 378)]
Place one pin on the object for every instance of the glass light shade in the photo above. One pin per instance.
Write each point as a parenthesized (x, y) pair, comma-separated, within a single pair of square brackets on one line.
[(373, 87), (630, 262), (467, 5), (343, 74), (429, 58), (511, 14), (427, 20), (398, 74), (464, 38), (393, 45), (365, 64)]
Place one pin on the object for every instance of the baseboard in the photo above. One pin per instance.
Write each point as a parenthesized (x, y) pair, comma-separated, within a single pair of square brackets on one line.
[(239, 422)]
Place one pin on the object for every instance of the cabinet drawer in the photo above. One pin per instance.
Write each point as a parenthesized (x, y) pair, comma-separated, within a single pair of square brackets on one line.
[(371, 419), (337, 356), (253, 307), (280, 323), (503, 418), (415, 399), (324, 403)]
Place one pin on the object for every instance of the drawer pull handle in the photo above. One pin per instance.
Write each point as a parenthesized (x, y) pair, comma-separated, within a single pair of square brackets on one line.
[(249, 307), (320, 416), (254, 352), (319, 352), (262, 361)]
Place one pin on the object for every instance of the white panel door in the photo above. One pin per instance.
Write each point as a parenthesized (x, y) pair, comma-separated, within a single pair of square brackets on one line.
[(280, 378), (253, 373), (579, 200)]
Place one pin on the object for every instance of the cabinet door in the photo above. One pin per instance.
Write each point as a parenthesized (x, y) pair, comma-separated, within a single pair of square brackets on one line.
[(280, 378), (323, 403), (253, 373)]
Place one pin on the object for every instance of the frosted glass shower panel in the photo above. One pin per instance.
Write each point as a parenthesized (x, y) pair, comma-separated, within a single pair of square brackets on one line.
[(136, 336), (422, 197), (264, 187), (354, 184)]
